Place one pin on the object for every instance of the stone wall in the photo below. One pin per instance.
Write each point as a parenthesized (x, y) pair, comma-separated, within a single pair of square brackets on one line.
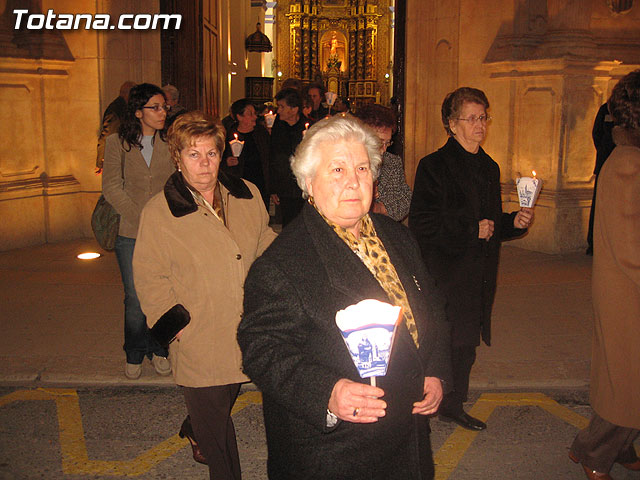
[(54, 86), (546, 67)]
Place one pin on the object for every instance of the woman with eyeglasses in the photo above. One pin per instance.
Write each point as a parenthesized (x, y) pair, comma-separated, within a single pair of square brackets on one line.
[(392, 195), (137, 164), (456, 215)]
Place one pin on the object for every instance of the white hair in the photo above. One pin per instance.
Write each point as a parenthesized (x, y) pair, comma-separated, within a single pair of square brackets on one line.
[(304, 162)]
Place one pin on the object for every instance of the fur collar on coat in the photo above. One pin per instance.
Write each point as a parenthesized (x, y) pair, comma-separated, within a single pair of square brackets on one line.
[(181, 200)]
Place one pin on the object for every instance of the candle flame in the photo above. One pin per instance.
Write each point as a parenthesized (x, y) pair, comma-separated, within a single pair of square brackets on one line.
[(306, 125), (236, 135), (270, 112), (534, 173)]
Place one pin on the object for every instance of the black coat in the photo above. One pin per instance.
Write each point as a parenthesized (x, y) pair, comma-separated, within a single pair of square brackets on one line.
[(453, 191), (284, 140), (294, 352), (262, 141)]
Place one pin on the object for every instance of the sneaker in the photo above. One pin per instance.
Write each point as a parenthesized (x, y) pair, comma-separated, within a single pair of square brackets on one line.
[(161, 364), (133, 370)]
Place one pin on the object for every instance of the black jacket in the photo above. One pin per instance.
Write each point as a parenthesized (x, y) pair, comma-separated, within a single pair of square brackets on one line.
[(294, 352), (453, 191), (284, 140)]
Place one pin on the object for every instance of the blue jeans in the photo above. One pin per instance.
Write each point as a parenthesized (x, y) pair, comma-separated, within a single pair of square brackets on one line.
[(138, 342)]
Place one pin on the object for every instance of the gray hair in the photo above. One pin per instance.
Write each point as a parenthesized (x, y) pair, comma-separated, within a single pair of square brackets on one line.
[(172, 92), (304, 162)]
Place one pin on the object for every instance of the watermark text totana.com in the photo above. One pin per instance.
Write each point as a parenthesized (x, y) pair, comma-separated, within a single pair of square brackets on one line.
[(97, 21)]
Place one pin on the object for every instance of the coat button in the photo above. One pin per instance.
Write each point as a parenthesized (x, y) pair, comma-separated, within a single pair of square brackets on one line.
[(238, 257)]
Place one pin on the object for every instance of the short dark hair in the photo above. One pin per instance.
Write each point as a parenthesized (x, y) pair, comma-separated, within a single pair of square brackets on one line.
[(624, 103), (319, 86), (453, 102), (237, 107), (377, 116), (291, 97)]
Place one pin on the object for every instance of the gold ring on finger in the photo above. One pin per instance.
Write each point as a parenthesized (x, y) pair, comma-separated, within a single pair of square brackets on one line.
[(356, 411)]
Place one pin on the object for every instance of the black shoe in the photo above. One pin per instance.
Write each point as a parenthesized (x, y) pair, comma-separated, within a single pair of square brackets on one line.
[(465, 421), (186, 430)]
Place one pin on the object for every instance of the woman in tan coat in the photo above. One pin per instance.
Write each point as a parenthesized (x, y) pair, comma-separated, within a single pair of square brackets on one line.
[(615, 366), (196, 242)]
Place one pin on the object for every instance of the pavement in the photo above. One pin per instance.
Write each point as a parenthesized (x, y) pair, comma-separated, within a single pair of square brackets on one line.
[(62, 321)]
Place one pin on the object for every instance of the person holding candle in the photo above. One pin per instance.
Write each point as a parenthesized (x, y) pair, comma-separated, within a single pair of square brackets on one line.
[(253, 162), (322, 420), (196, 242), (615, 364), (456, 215)]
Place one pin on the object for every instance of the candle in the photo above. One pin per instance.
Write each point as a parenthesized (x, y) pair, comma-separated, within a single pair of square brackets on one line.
[(236, 146), (528, 189), (306, 127), (269, 118)]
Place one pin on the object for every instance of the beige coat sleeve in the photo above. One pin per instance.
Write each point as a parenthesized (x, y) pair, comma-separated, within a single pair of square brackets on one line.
[(112, 181), (621, 220), (152, 264)]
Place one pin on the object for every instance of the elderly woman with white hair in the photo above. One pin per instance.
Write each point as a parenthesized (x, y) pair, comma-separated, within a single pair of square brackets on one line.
[(322, 420)]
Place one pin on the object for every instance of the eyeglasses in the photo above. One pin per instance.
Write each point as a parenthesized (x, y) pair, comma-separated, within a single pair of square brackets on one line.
[(474, 119), (157, 108), (387, 144)]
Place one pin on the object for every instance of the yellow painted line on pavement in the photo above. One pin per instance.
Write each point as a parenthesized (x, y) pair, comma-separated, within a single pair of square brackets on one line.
[(75, 460), (452, 451)]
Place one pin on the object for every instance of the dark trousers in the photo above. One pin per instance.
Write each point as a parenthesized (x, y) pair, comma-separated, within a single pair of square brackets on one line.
[(602, 444), (210, 412), (462, 359), (290, 208)]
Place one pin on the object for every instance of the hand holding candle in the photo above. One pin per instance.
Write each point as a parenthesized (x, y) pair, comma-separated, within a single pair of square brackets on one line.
[(236, 146)]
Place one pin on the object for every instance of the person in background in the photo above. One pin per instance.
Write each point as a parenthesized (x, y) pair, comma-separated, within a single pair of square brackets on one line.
[(136, 166), (286, 134), (603, 141), (253, 162), (319, 111), (615, 281), (173, 99), (111, 120), (307, 107), (196, 242), (456, 215), (392, 195), (322, 420)]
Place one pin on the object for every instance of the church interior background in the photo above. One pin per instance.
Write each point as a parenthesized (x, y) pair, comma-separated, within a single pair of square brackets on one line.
[(546, 66)]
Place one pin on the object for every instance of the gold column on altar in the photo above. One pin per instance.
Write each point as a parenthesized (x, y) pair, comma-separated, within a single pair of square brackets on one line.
[(344, 44)]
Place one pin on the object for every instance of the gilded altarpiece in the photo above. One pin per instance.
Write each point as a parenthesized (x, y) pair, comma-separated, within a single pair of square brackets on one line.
[(344, 44)]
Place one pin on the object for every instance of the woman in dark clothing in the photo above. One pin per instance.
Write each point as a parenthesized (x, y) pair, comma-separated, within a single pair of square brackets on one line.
[(456, 215), (253, 162), (323, 421)]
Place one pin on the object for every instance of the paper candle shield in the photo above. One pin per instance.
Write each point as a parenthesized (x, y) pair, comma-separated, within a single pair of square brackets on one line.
[(528, 190), (331, 98), (236, 147), (368, 329), (269, 118)]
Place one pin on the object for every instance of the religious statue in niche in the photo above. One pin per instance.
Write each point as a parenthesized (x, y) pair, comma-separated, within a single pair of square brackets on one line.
[(333, 49)]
